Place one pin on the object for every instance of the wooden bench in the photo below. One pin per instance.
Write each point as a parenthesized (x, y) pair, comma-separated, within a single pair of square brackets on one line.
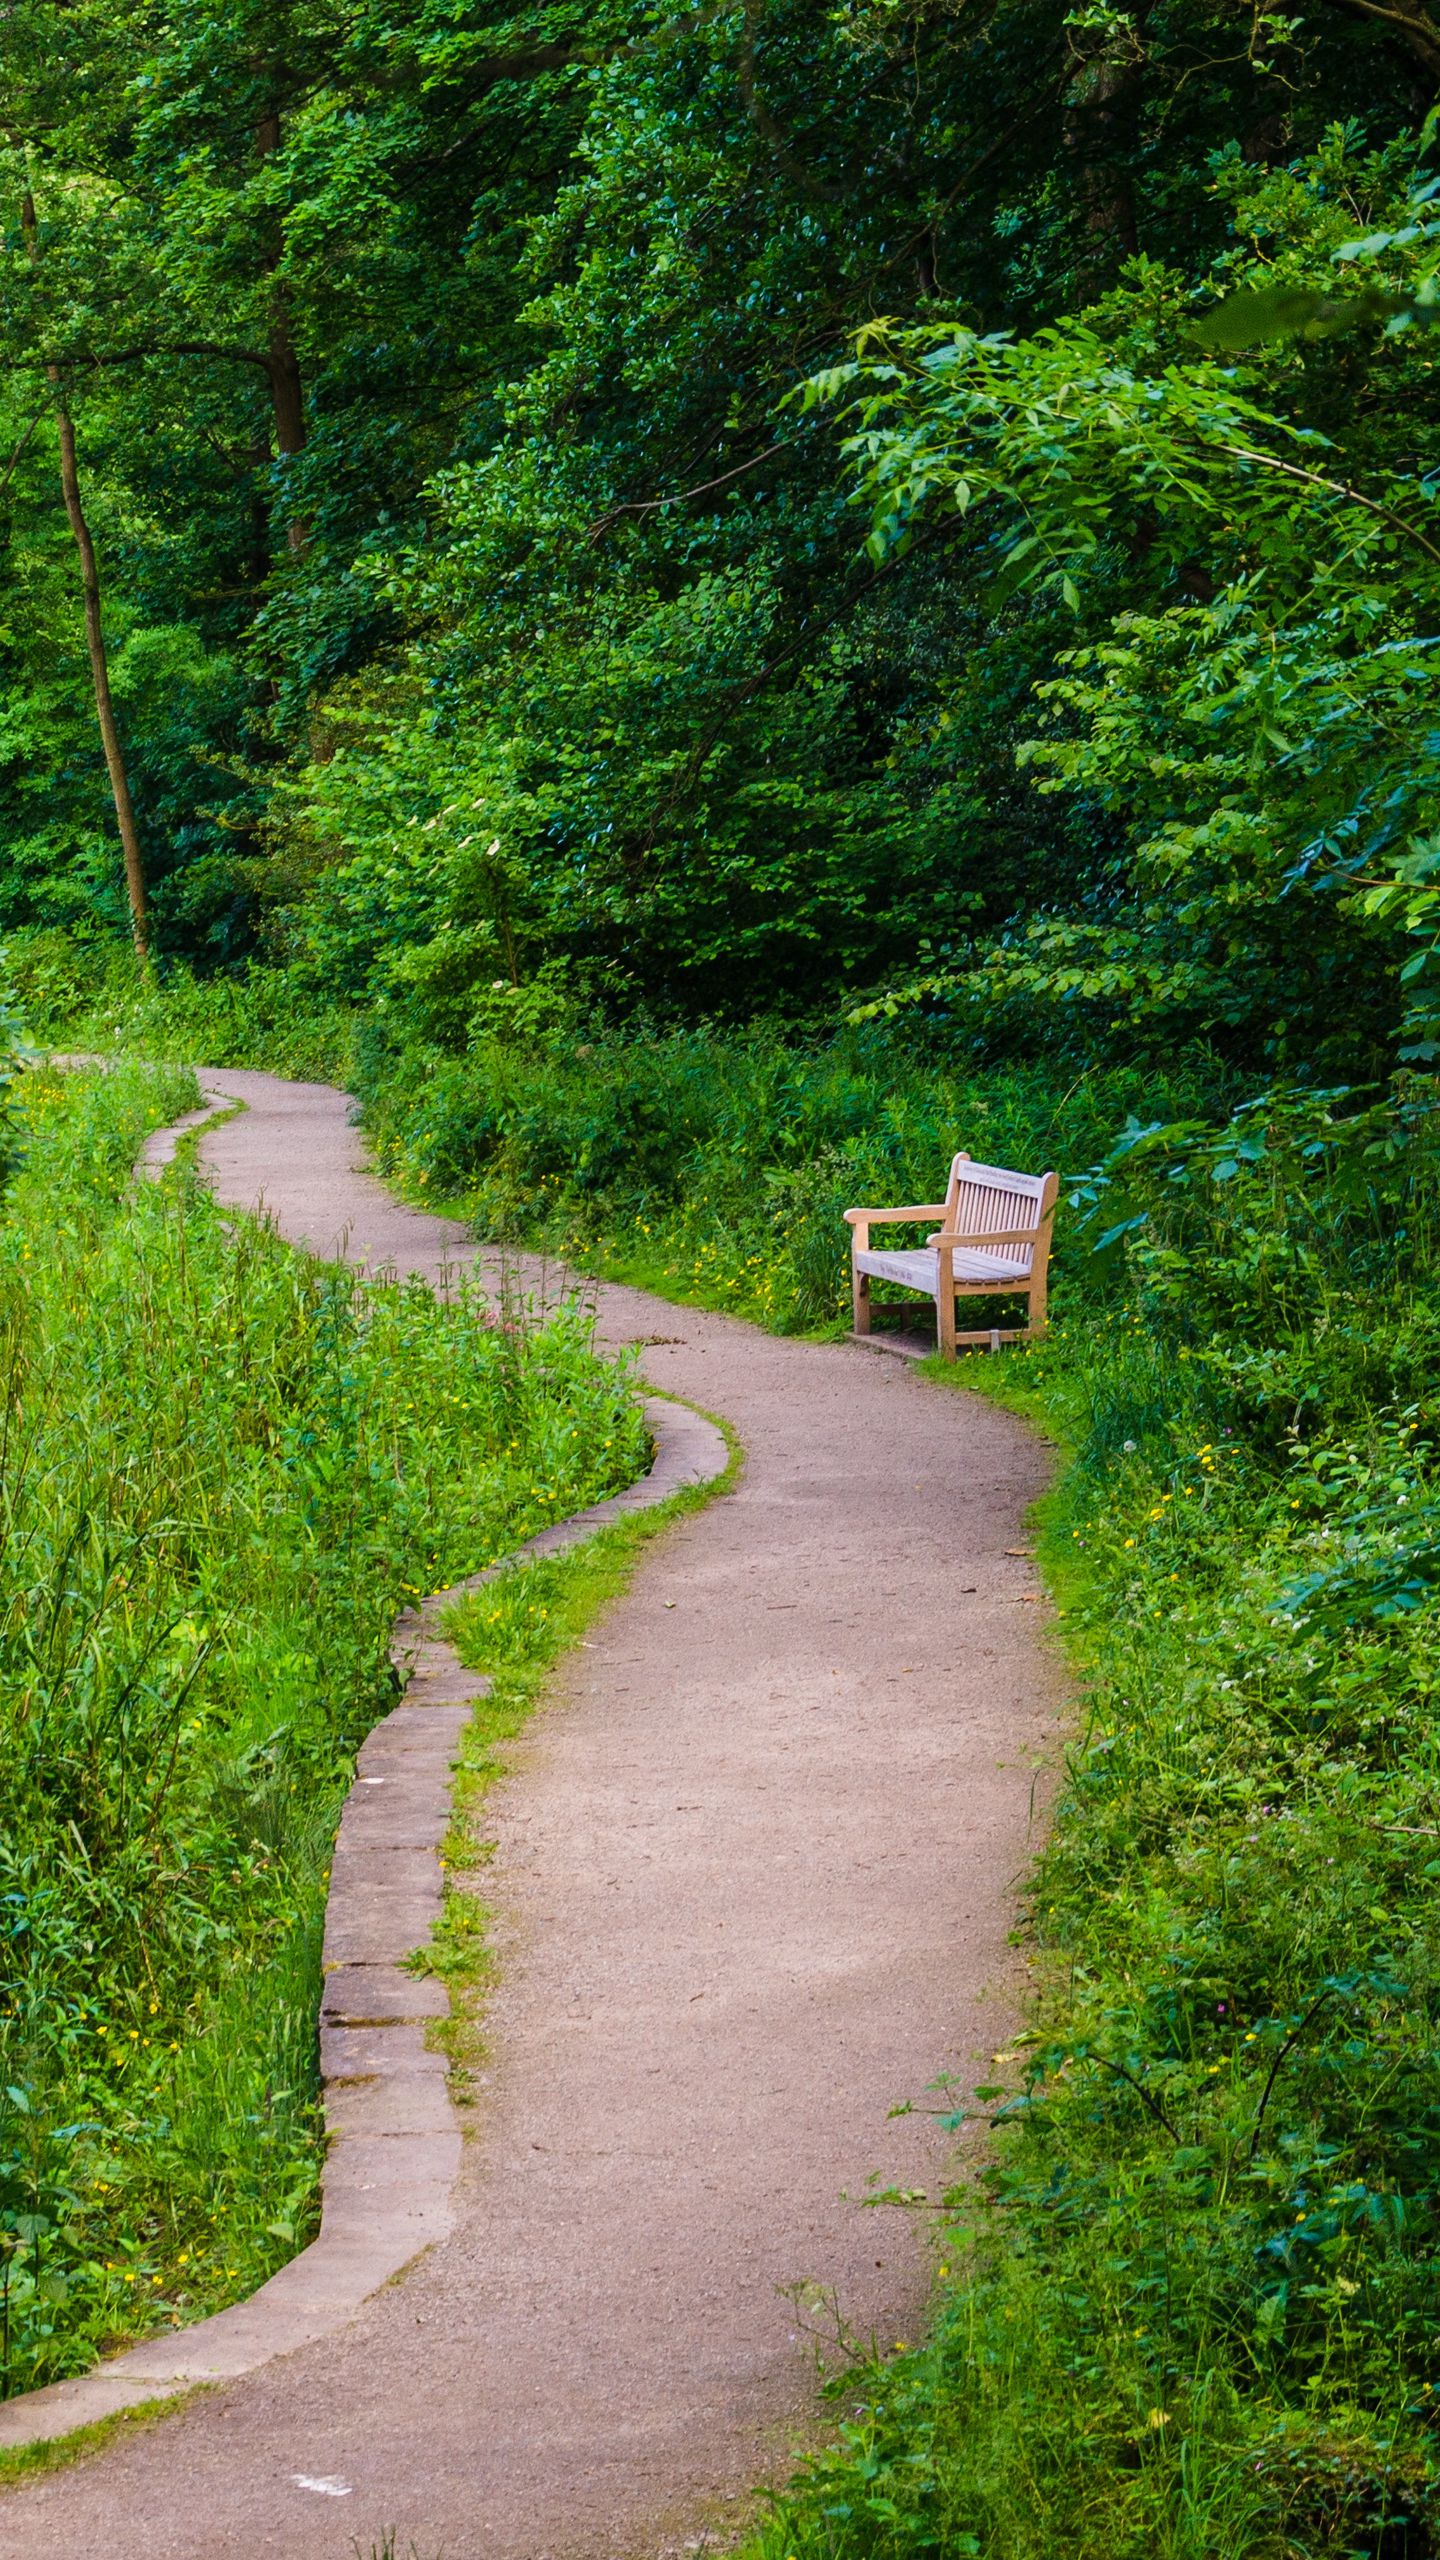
[(993, 1240)]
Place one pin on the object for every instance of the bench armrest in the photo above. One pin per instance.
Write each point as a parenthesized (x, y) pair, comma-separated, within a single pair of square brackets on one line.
[(880, 1217)]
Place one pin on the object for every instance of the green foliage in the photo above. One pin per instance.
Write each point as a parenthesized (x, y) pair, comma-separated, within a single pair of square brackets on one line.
[(224, 1020), (720, 1165), (1253, 700), (1188, 2299), (271, 273), (481, 422), (225, 1469), (484, 606)]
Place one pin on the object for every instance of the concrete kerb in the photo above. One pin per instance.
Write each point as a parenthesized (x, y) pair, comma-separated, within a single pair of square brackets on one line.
[(163, 1145), (393, 2136)]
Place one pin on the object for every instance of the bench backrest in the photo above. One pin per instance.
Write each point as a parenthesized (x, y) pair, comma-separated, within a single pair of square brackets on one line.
[(988, 1200)]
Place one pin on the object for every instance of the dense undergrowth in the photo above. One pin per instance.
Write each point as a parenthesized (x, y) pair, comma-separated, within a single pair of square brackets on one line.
[(222, 1469), (712, 1164), (717, 1165)]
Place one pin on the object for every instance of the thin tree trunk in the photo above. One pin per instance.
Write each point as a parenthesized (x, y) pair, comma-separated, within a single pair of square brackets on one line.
[(95, 636), (1100, 129), (100, 679)]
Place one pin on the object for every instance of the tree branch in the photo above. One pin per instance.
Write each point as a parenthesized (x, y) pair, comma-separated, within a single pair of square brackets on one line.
[(677, 497), (1337, 489), (13, 465), (1419, 31), (1290, 2042), (143, 355)]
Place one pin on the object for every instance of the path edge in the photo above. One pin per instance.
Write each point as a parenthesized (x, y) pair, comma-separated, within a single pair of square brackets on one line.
[(393, 2135)]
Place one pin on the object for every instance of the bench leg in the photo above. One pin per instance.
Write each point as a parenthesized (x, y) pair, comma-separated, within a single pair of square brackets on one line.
[(1039, 1320), (945, 1321), (860, 1299)]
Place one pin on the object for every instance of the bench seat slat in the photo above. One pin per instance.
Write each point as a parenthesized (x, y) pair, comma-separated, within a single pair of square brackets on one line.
[(919, 1270)]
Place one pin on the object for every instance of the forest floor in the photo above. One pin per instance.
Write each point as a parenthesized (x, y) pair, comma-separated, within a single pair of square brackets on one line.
[(752, 1884)]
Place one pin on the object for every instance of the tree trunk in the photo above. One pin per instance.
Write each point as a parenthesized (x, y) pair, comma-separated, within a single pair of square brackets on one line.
[(95, 638), (100, 679), (1099, 128)]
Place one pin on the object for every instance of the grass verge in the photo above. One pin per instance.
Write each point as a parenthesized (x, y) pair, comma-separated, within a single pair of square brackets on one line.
[(1191, 2305), (22, 2463), (516, 1629), (223, 1468)]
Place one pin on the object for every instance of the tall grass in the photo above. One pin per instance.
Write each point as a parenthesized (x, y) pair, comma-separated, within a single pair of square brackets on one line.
[(90, 996), (1189, 2305), (719, 1165), (222, 1470)]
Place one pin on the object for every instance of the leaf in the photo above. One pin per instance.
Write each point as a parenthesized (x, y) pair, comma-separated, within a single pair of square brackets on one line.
[(1126, 1227), (1286, 311)]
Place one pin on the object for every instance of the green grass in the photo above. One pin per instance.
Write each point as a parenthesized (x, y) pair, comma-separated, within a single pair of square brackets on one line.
[(21, 2464), (1190, 2295), (1190, 2306), (90, 998), (516, 1629), (715, 1166), (223, 1470)]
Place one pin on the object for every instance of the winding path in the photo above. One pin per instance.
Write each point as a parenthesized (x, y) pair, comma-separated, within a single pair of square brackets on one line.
[(754, 1874)]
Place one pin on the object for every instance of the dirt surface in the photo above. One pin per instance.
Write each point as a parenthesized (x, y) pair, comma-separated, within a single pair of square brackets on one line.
[(754, 1874)]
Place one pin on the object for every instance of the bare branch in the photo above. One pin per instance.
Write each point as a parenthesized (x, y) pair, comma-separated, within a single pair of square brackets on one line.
[(13, 465), (677, 497)]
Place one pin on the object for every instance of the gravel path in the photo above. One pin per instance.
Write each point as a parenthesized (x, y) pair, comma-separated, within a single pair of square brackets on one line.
[(754, 1875)]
